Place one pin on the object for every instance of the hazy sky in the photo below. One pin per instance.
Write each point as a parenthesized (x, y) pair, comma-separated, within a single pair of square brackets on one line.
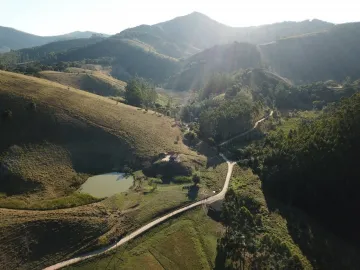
[(49, 17)]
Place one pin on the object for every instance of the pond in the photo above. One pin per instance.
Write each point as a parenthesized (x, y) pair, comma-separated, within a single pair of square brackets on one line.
[(106, 185)]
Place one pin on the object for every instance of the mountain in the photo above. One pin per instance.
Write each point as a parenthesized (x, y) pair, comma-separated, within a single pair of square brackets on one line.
[(181, 51), (46, 53), (326, 55), (321, 56), (14, 39), (224, 59), (186, 35)]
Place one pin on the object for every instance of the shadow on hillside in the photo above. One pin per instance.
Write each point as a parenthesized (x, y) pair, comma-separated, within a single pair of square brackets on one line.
[(202, 148), (322, 248)]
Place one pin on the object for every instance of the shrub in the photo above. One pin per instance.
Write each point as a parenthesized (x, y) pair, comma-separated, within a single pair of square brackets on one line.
[(181, 179)]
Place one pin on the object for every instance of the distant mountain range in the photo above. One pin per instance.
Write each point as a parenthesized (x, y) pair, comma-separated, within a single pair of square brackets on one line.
[(190, 34), (320, 56), (12, 39), (183, 53)]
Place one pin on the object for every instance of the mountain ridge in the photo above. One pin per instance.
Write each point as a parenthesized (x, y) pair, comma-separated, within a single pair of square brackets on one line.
[(14, 39)]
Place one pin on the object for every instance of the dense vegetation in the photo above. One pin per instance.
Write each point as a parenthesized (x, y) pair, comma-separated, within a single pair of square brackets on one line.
[(140, 93), (231, 104), (314, 166)]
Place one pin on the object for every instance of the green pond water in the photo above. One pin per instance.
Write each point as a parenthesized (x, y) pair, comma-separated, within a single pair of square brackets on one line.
[(105, 185)]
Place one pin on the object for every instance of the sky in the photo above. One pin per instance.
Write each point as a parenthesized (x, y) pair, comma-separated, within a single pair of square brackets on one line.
[(49, 17)]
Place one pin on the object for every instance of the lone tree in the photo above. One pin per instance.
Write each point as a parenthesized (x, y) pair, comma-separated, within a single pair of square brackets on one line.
[(196, 179)]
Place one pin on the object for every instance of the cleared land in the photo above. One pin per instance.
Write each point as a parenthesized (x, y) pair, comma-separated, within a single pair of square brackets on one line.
[(91, 81), (185, 242)]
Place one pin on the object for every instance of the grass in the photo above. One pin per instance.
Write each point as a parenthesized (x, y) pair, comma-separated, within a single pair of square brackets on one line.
[(92, 81), (185, 242), (291, 123), (72, 133), (316, 247), (144, 205), (73, 200), (35, 239)]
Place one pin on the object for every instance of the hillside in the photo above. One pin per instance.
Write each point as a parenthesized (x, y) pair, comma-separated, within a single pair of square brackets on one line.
[(52, 136), (46, 53), (127, 59), (170, 51), (186, 35), (197, 69), (327, 184), (322, 56), (91, 81), (15, 39)]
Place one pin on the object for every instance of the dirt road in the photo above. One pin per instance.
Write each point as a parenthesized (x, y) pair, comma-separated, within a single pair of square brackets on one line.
[(248, 131), (152, 224)]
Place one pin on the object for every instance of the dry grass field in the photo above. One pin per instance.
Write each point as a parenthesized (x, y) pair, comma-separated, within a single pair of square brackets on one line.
[(91, 81), (55, 137)]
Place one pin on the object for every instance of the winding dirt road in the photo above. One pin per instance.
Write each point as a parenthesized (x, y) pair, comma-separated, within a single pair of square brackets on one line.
[(152, 224), (248, 131)]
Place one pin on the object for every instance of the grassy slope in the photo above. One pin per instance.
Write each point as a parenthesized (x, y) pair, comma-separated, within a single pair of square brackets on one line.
[(91, 81), (73, 132), (186, 242), (35, 239)]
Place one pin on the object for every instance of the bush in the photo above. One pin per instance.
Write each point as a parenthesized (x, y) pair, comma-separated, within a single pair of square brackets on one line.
[(152, 181), (181, 179)]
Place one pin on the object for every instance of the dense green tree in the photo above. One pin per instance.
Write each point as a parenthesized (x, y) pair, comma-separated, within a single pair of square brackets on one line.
[(140, 93)]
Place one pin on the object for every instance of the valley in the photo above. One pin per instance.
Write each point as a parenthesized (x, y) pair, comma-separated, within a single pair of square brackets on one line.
[(185, 144)]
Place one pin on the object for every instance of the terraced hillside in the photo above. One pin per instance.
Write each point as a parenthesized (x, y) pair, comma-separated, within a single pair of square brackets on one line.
[(91, 81), (52, 137)]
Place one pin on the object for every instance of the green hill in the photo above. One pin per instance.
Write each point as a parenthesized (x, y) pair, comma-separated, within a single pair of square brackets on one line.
[(197, 69), (46, 53), (126, 59), (52, 137), (322, 56), (327, 55), (91, 81)]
